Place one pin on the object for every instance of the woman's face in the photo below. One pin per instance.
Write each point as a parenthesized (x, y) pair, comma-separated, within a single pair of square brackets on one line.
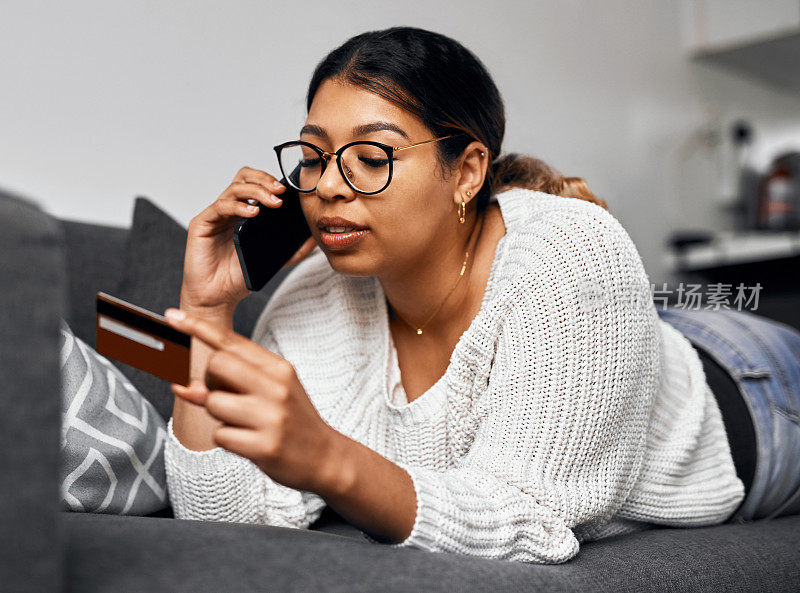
[(405, 221)]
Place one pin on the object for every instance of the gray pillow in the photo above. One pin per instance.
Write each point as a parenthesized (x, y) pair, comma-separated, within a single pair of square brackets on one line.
[(152, 279), (112, 438)]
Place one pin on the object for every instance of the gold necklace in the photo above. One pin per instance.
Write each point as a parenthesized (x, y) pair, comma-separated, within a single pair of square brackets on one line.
[(463, 269)]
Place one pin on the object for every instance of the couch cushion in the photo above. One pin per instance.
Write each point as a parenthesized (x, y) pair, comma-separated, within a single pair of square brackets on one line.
[(115, 553)]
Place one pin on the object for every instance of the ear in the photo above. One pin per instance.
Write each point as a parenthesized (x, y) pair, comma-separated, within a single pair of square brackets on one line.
[(471, 172)]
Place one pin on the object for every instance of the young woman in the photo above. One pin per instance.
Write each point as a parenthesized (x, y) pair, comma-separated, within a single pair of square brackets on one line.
[(471, 363)]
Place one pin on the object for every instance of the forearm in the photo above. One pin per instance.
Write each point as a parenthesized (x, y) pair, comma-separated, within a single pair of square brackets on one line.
[(370, 491), (191, 423)]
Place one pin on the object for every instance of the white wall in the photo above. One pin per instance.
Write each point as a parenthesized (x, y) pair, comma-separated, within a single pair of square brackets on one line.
[(103, 101)]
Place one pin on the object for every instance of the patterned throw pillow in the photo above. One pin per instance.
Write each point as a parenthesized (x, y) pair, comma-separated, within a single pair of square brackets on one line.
[(112, 438)]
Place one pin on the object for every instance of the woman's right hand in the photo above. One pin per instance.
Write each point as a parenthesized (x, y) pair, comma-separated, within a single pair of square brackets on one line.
[(212, 275)]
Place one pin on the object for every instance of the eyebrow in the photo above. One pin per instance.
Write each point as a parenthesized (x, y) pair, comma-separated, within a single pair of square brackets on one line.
[(361, 130)]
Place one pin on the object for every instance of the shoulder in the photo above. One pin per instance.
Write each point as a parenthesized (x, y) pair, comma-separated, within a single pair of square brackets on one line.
[(569, 270), (571, 220), (553, 240), (573, 289)]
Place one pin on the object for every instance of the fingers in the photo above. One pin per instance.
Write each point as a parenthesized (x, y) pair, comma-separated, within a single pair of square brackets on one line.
[(229, 371), (242, 441), (250, 191), (235, 409), (258, 177), (236, 208), (222, 338), (249, 188), (240, 408), (195, 392)]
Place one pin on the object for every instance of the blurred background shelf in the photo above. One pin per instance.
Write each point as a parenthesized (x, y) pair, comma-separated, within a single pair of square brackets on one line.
[(774, 58), (769, 260), (759, 39), (728, 248)]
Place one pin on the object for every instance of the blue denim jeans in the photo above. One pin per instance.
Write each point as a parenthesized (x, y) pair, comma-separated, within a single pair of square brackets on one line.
[(762, 357)]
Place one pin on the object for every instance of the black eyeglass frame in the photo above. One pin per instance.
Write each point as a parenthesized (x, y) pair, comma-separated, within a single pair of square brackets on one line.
[(326, 156)]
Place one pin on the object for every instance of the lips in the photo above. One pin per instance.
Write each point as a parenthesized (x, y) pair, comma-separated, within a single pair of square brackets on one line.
[(337, 241), (338, 221)]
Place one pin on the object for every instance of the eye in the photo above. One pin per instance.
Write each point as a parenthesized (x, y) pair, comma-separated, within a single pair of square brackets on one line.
[(370, 162), (310, 162)]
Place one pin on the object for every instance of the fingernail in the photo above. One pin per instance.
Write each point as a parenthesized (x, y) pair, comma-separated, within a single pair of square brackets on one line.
[(174, 314)]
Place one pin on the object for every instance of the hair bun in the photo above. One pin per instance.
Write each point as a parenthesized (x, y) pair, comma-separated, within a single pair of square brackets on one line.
[(520, 170)]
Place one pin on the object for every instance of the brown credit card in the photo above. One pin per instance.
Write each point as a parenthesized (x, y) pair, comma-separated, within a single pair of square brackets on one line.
[(142, 339)]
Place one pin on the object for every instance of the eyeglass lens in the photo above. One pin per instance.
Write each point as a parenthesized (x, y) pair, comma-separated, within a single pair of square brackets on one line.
[(365, 165)]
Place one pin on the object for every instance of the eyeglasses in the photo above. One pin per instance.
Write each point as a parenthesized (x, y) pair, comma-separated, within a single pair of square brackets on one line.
[(365, 165)]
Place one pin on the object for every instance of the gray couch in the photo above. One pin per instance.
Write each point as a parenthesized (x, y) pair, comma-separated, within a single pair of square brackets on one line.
[(51, 268)]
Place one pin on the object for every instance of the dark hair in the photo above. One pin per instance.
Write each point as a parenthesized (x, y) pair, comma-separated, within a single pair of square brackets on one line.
[(444, 84)]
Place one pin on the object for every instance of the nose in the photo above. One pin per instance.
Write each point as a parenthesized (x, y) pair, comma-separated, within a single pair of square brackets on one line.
[(331, 183)]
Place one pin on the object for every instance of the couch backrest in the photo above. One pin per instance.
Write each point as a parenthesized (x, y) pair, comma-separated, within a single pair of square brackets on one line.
[(95, 256)]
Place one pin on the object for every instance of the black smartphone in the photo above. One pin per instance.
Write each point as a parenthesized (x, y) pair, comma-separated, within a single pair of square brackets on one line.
[(266, 241)]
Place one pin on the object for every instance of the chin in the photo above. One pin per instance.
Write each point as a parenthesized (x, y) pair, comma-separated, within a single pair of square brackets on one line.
[(349, 263)]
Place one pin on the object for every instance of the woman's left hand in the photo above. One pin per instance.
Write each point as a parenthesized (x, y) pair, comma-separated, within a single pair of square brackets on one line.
[(266, 413)]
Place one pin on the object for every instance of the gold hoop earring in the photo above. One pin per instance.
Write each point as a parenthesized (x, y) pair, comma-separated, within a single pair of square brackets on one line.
[(462, 211)]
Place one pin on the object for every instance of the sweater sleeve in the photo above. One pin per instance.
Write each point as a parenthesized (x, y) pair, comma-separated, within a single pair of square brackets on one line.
[(219, 485), (561, 427)]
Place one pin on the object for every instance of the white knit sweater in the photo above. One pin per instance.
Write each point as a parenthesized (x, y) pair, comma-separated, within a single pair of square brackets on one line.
[(569, 412)]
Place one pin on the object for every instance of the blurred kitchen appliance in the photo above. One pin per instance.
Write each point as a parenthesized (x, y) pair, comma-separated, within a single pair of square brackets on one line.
[(779, 195), (746, 179)]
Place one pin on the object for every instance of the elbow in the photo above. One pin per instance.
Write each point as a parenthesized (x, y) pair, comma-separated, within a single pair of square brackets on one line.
[(535, 545), (532, 551)]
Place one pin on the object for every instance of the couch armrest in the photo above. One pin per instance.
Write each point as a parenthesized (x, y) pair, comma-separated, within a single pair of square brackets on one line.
[(32, 300)]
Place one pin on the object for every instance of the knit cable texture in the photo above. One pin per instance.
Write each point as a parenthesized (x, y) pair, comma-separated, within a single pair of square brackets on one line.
[(569, 411)]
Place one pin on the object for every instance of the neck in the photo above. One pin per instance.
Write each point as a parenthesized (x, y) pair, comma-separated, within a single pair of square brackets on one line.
[(421, 291)]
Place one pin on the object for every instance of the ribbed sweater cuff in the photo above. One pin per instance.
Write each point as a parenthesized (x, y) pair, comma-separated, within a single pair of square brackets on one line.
[(250, 490), (428, 522), (219, 459)]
